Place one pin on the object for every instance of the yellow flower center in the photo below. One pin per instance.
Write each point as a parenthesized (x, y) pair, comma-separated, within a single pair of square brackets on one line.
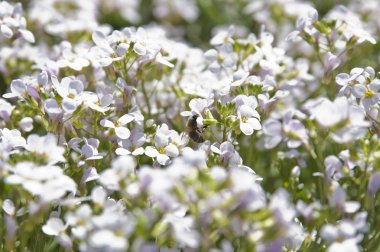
[(369, 94), (72, 96), (117, 124), (220, 59), (244, 119), (161, 150)]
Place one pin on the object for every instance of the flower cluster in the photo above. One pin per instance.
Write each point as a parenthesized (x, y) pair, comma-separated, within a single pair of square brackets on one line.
[(123, 127)]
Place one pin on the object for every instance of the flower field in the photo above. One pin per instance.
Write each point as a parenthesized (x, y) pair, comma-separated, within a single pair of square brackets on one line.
[(189, 125)]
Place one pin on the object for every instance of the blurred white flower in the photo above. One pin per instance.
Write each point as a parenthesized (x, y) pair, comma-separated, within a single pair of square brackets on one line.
[(12, 21), (26, 124), (329, 114), (47, 182), (46, 147), (221, 58)]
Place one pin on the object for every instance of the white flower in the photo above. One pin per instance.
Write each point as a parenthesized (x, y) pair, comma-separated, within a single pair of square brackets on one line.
[(329, 114), (65, 18), (10, 140), (55, 227), (163, 148), (5, 110), (198, 107), (353, 25), (167, 9), (121, 131), (26, 124), (106, 240), (228, 155), (71, 90), (46, 148), (222, 58), (121, 168), (80, 221), (76, 59), (249, 120), (47, 182), (22, 89), (12, 21), (132, 145), (290, 130), (368, 94), (90, 149), (53, 110), (9, 207)]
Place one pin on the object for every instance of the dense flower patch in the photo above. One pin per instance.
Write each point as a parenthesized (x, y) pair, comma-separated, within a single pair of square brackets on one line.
[(189, 126)]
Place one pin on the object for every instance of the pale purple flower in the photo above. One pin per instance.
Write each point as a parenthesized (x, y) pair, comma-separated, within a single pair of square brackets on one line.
[(221, 58), (22, 89), (52, 108), (304, 24), (333, 168), (292, 131), (356, 76), (368, 94), (90, 149), (106, 240), (132, 145), (229, 157), (331, 62), (353, 26), (5, 110), (374, 184)]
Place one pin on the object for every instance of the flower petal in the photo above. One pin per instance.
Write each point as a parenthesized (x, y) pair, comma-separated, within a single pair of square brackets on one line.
[(122, 132), (359, 91), (125, 119), (246, 128)]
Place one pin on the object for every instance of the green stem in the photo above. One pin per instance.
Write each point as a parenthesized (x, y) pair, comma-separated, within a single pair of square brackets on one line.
[(146, 97)]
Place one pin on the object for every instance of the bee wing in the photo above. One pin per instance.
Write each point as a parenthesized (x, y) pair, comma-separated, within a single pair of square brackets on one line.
[(184, 138)]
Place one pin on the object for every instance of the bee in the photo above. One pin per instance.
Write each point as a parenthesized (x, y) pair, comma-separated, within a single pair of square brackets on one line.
[(194, 131)]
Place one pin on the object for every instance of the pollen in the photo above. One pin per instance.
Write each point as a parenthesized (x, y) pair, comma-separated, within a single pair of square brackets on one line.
[(161, 150), (72, 96), (369, 94)]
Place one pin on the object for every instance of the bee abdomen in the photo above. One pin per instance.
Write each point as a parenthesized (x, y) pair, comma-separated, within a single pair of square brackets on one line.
[(196, 136)]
